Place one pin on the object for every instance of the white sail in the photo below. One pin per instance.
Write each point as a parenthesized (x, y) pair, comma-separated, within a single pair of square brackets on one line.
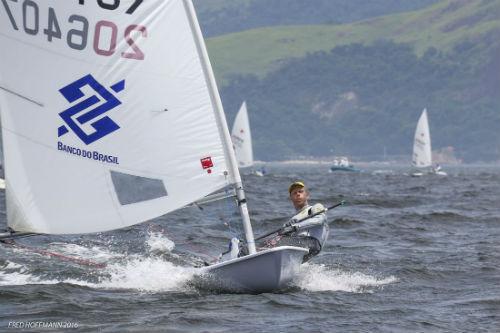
[(242, 138), (109, 114), (422, 153)]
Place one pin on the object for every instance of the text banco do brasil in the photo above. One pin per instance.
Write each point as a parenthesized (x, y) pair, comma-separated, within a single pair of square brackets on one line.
[(91, 155)]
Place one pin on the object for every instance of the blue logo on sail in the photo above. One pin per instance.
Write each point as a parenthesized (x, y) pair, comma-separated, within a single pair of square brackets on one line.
[(95, 106)]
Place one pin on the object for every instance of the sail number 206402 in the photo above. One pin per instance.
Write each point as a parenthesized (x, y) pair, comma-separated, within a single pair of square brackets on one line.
[(105, 33)]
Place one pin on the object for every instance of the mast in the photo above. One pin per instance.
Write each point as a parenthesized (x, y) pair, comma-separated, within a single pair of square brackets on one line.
[(221, 121)]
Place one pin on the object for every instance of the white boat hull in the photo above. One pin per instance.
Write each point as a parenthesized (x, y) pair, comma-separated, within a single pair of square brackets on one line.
[(265, 271), (420, 174)]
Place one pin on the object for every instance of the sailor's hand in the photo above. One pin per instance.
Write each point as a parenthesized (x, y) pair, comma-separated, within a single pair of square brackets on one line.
[(287, 230), (317, 209)]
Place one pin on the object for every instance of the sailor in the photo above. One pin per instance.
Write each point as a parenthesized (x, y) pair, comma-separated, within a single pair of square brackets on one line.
[(310, 233)]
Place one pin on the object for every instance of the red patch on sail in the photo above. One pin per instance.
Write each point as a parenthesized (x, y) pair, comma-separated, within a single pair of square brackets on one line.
[(206, 163)]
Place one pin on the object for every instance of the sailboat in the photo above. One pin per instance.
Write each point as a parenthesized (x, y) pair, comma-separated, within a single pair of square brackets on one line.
[(111, 117), (342, 164), (422, 152), (242, 139)]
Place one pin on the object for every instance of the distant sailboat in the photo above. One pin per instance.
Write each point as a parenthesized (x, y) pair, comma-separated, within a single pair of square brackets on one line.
[(242, 139), (422, 151), (100, 134), (342, 164)]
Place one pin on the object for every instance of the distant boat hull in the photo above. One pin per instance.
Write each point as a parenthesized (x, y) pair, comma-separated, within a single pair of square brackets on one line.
[(266, 271), (430, 172), (344, 168)]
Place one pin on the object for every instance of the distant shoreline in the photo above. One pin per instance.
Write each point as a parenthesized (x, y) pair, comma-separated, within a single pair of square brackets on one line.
[(373, 163)]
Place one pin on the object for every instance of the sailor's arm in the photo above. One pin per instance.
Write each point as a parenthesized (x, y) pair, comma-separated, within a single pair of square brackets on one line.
[(313, 221)]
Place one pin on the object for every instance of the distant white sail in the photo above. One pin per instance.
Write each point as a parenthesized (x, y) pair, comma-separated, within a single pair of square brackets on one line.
[(242, 138), (107, 115), (422, 153)]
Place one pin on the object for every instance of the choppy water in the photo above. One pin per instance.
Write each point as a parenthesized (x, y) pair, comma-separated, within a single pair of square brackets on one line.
[(405, 255)]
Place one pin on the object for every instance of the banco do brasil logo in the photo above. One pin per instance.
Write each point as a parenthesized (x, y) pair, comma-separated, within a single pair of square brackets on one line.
[(87, 116)]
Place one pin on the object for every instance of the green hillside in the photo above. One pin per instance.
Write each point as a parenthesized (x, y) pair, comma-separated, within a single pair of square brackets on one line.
[(219, 17), (442, 26)]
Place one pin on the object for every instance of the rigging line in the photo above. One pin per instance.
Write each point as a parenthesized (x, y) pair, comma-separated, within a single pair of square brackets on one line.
[(21, 96), (229, 209)]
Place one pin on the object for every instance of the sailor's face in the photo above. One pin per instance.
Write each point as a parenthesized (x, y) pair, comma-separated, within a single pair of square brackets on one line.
[(299, 197)]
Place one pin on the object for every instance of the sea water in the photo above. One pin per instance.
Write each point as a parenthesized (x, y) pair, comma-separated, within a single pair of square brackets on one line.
[(405, 254)]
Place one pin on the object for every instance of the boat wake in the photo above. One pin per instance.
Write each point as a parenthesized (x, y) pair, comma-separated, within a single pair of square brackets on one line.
[(158, 270), (159, 244), (149, 272), (314, 277), (144, 274), (13, 274)]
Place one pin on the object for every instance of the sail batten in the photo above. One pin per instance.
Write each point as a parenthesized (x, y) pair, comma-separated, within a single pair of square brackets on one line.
[(100, 156)]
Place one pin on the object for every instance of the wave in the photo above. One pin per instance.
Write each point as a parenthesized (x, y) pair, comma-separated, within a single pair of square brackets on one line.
[(314, 277), (14, 274), (148, 272), (142, 274), (158, 243), (438, 216), (346, 222)]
